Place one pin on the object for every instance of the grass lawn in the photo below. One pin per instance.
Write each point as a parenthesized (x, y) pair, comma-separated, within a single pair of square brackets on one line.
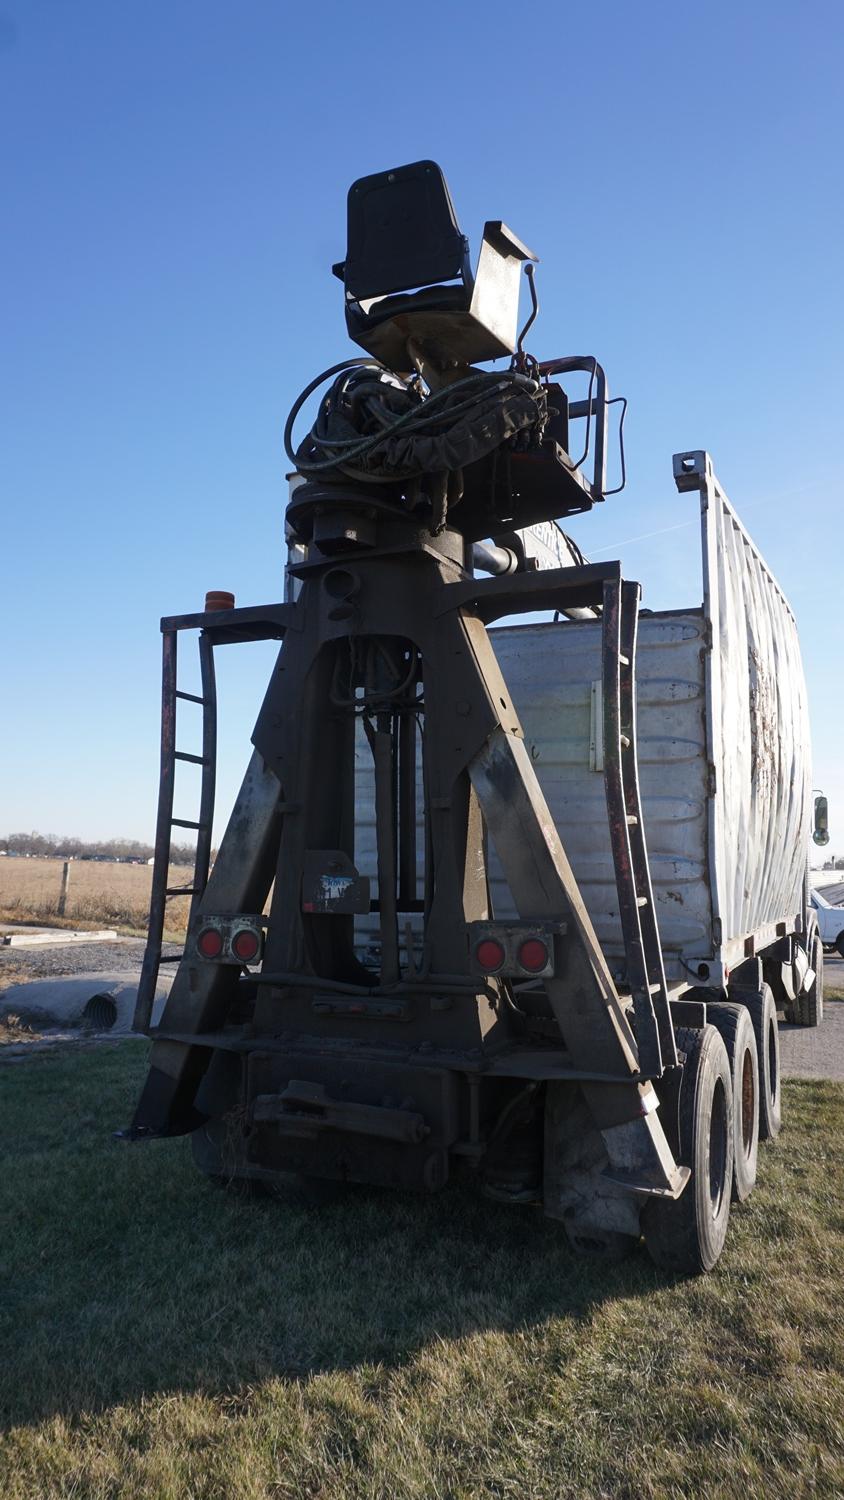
[(160, 1338)]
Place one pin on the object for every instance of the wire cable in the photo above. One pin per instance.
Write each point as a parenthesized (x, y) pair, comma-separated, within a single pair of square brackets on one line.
[(345, 364), (435, 434)]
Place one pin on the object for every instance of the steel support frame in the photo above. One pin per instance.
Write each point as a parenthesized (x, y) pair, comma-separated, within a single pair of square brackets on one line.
[(466, 701)]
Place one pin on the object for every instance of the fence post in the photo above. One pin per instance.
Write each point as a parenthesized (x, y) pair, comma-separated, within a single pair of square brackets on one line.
[(60, 909)]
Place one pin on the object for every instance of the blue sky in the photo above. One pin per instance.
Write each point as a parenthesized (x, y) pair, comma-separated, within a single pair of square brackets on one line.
[(173, 181)]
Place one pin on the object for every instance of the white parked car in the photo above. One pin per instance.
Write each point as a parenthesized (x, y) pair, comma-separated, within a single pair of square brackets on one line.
[(830, 922)]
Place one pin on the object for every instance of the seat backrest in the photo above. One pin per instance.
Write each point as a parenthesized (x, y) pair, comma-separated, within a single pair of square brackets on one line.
[(402, 233)]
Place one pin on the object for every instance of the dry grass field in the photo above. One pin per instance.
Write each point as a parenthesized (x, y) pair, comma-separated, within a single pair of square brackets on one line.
[(99, 893)]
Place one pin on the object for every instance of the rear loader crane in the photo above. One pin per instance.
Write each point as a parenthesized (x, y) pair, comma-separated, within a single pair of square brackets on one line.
[(428, 996)]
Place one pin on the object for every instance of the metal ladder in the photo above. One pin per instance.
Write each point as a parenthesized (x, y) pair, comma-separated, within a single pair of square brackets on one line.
[(161, 892), (645, 968)]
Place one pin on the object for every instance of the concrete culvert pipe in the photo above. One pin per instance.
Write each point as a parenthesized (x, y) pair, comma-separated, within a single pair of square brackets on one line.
[(100, 1014), (102, 1001)]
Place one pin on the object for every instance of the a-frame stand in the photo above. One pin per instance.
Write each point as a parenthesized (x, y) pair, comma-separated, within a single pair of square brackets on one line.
[(394, 632)]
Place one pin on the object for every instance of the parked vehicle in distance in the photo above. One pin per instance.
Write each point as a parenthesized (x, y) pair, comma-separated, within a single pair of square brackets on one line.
[(832, 890), (830, 922)]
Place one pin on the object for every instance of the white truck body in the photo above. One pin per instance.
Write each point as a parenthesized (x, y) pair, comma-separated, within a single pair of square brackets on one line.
[(723, 749)]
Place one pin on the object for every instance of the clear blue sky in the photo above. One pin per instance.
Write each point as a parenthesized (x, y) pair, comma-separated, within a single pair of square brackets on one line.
[(173, 186)]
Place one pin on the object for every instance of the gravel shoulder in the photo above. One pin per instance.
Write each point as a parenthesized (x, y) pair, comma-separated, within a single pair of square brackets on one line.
[(818, 1051), (815, 1052), (63, 960)]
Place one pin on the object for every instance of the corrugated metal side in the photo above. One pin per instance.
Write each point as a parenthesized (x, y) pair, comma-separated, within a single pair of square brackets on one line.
[(550, 670), (757, 731), (724, 756)]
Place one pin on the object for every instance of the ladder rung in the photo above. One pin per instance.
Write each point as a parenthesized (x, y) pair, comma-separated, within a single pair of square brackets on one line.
[(190, 697), (172, 958), (185, 823), (195, 760), (654, 989), (182, 890)]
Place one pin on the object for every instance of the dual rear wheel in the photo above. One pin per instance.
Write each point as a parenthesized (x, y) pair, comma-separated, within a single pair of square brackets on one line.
[(729, 1100), (735, 1027), (686, 1234), (809, 1005), (763, 1013)]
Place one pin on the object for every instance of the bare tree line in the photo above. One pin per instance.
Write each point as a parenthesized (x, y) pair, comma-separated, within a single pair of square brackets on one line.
[(64, 847)]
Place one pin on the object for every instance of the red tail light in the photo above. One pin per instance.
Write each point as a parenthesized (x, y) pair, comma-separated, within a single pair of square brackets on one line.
[(490, 955), (246, 945), (210, 942), (533, 955)]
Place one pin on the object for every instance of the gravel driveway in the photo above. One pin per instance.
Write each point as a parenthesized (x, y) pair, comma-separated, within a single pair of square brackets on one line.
[(63, 960), (818, 1052)]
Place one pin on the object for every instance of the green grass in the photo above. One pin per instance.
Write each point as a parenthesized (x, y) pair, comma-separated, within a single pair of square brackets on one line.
[(165, 1340)]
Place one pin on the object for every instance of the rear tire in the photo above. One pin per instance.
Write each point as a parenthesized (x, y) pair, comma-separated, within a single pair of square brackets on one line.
[(810, 1003), (839, 944), (737, 1034), (760, 1005), (686, 1235)]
